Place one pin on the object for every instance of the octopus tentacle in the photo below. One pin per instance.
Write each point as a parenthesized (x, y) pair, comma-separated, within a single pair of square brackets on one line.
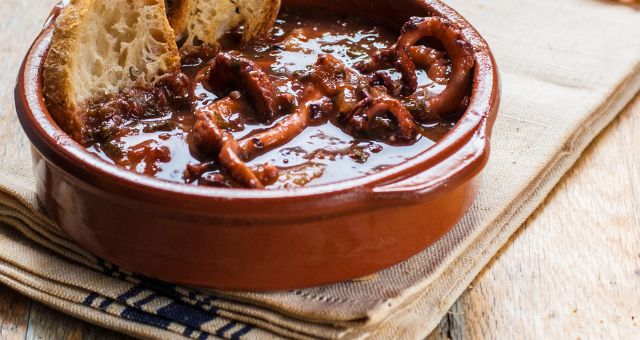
[(329, 78), (195, 171), (384, 79), (225, 72), (177, 86), (206, 136), (368, 109), (208, 139), (380, 59), (372, 67), (228, 71), (238, 169), (337, 81), (284, 131), (457, 48), (431, 60)]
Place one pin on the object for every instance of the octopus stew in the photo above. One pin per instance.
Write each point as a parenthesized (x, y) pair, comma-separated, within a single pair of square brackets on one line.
[(322, 99)]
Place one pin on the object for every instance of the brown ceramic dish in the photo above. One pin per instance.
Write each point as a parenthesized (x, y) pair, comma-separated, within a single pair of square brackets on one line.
[(264, 239)]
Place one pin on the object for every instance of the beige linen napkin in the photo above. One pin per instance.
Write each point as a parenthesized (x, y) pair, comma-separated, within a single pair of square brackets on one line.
[(568, 67)]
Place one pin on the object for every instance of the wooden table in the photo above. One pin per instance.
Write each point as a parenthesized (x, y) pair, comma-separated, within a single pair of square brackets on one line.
[(573, 270)]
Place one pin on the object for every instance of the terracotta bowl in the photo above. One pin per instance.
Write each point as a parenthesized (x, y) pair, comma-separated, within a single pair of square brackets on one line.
[(263, 240)]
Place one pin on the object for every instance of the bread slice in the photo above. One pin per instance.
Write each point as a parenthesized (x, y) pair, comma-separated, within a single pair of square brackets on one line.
[(101, 47), (205, 21), (259, 16), (178, 14)]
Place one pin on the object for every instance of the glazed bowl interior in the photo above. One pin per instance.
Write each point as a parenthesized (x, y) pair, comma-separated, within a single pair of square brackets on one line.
[(478, 118)]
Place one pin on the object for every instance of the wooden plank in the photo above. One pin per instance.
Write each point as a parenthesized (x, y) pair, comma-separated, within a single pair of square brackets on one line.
[(14, 314), (47, 323), (573, 270), (452, 324), (20, 22)]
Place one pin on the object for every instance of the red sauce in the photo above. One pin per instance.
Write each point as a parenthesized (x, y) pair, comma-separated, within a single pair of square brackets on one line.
[(157, 144)]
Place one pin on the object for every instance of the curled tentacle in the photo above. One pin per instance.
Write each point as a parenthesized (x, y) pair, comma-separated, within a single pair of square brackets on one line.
[(380, 59), (354, 97), (209, 140), (337, 81), (373, 67), (206, 136), (406, 56), (223, 73), (229, 71), (384, 79), (459, 51), (363, 120), (237, 168), (331, 75), (195, 171)]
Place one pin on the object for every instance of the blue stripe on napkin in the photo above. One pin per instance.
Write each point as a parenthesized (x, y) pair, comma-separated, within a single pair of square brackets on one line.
[(166, 306)]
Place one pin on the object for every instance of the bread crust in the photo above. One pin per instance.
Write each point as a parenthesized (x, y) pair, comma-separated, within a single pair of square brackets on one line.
[(178, 14), (57, 69), (260, 26), (62, 55)]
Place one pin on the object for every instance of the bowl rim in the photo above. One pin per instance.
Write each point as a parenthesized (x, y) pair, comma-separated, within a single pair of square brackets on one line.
[(468, 141)]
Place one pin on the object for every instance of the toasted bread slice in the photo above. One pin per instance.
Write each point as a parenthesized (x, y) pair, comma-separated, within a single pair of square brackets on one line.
[(208, 20), (203, 22), (100, 47), (178, 14), (259, 16)]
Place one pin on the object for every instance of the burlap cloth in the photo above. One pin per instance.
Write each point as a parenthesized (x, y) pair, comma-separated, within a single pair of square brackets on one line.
[(568, 67)]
